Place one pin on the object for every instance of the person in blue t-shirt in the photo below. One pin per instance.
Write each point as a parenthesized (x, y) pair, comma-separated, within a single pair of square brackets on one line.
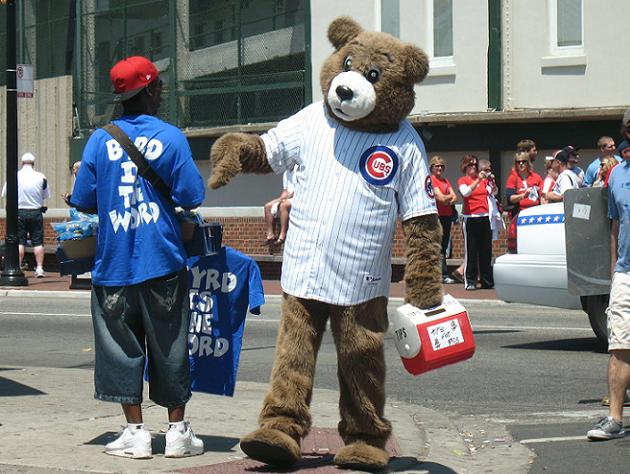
[(618, 311), (140, 282)]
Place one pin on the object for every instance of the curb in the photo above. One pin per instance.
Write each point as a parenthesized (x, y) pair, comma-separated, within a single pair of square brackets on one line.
[(85, 294)]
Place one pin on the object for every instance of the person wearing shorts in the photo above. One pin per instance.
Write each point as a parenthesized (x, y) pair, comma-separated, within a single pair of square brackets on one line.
[(618, 310), (33, 190), (139, 298)]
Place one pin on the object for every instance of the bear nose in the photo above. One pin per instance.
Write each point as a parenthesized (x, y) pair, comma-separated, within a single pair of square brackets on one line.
[(344, 93)]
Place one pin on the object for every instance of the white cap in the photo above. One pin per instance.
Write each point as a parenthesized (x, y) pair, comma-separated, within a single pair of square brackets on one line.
[(28, 158)]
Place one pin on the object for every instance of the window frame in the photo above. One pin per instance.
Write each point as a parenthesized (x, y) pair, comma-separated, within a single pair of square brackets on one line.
[(554, 49), (439, 65)]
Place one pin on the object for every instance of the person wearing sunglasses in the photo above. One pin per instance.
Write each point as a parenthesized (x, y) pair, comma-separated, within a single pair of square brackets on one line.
[(524, 186), (606, 146), (445, 198), (476, 224)]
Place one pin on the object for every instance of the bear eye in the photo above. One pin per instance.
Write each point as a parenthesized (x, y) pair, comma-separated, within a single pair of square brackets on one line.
[(347, 64), (373, 75)]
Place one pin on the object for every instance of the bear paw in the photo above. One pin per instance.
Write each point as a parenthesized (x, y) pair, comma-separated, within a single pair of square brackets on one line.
[(362, 456), (271, 447)]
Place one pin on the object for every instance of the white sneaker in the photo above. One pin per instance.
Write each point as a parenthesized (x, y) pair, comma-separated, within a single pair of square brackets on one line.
[(181, 445), (39, 272), (129, 445)]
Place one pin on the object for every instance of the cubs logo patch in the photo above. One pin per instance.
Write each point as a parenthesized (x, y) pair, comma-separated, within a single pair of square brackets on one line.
[(378, 165), (428, 187)]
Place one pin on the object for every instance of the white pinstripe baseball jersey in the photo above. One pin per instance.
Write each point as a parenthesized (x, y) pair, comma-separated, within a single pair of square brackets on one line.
[(349, 189)]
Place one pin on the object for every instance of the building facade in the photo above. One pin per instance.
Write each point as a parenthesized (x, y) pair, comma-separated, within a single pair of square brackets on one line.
[(501, 70)]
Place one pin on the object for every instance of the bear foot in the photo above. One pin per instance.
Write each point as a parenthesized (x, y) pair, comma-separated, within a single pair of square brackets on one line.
[(362, 456), (271, 447)]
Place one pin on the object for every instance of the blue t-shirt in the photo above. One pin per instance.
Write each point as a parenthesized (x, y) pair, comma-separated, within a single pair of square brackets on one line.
[(222, 287), (619, 209), (139, 237), (590, 175)]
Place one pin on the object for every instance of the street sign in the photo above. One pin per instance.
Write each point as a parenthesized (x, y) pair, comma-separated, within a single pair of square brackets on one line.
[(24, 74)]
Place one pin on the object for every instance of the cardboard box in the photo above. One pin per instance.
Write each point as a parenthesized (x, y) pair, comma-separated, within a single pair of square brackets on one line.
[(82, 248)]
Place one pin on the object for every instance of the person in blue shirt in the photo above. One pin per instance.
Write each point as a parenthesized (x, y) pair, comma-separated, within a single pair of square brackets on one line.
[(606, 146), (618, 310), (139, 296)]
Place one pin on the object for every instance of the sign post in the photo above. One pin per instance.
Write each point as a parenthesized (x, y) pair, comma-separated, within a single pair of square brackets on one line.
[(11, 273)]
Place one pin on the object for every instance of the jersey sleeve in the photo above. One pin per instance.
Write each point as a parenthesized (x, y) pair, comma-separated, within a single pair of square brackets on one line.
[(511, 182), (415, 188), (187, 187), (283, 143), (84, 191), (256, 292)]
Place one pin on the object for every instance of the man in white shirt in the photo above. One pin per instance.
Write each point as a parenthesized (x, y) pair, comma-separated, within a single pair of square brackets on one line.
[(567, 179), (32, 191)]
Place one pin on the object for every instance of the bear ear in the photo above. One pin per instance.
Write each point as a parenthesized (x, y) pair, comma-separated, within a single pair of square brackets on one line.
[(343, 30), (416, 63)]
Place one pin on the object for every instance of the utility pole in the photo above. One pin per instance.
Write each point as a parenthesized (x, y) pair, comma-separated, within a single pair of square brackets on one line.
[(11, 274)]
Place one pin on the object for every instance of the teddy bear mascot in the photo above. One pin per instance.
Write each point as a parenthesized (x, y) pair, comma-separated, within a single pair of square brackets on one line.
[(361, 165)]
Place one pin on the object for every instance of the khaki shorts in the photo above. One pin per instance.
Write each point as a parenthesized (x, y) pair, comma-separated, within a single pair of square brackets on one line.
[(619, 312)]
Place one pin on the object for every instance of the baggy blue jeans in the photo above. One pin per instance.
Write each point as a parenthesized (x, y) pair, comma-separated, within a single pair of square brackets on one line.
[(146, 322)]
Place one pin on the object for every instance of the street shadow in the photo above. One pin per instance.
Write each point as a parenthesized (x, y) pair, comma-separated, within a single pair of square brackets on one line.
[(315, 461), (217, 444), (581, 344), (10, 388)]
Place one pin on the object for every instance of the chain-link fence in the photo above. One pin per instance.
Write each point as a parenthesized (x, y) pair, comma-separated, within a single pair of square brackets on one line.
[(222, 63)]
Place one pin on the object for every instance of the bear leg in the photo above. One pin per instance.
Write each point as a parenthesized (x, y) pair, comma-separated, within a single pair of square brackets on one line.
[(285, 417), (359, 332)]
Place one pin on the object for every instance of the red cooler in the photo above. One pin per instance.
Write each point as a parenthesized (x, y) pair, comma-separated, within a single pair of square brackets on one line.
[(431, 338)]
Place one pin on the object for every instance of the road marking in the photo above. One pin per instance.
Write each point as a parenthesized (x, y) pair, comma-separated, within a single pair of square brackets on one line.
[(553, 440), (13, 313)]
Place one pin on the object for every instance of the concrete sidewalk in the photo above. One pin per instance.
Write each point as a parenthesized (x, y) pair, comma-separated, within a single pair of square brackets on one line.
[(51, 423)]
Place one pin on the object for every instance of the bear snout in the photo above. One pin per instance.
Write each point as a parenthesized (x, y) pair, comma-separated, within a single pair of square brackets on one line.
[(344, 93)]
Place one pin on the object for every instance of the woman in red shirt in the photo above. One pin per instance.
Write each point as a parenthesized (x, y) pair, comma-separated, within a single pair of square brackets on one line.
[(524, 186), (477, 233), (445, 197)]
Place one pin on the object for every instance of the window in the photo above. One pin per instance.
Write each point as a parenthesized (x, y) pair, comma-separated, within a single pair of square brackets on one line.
[(439, 40), (566, 26), (442, 28), (390, 17)]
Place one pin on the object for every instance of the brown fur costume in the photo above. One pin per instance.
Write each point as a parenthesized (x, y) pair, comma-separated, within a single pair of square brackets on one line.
[(392, 67)]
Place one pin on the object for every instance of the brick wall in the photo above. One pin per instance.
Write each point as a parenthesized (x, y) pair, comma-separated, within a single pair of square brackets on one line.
[(247, 234)]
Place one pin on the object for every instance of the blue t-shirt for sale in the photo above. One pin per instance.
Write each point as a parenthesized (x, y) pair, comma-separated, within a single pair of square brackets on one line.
[(139, 237), (222, 288)]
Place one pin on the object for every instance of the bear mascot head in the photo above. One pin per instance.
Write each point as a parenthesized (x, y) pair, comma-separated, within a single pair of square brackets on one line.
[(359, 166)]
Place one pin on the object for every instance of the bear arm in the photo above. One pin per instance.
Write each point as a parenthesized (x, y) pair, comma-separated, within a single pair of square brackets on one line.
[(236, 153), (423, 272)]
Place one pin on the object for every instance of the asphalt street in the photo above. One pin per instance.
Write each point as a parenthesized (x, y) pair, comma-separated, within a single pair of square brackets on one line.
[(537, 376)]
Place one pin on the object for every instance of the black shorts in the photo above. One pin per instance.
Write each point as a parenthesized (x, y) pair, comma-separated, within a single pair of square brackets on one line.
[(31, 223)]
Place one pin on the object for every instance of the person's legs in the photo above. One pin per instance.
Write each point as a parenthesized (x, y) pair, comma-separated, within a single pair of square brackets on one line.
[(21, 253), (269, 220), (119, 365), (359, 332), (471, 246), (446, 238), (285, 417), (164, 303), (485, 254), (619, 364), (39, 259), (618, 381), (285, 208)]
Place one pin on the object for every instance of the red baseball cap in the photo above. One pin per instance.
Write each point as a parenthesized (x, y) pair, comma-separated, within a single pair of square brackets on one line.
[(129, 76)]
